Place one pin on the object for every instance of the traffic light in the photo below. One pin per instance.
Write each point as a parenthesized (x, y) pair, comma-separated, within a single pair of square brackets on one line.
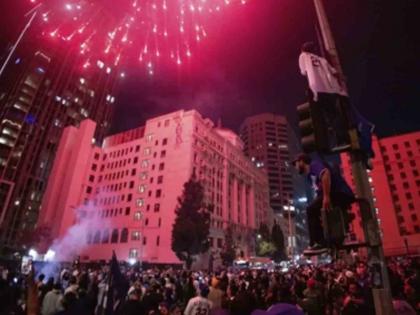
[(313, 130)]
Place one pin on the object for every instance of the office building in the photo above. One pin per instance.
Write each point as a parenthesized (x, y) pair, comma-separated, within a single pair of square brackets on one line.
[(124, 193), (395, 182), (45, 87), (271, 144)]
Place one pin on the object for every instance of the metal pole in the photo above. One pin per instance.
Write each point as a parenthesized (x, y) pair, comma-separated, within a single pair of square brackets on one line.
[(16, 44), (382, 293)]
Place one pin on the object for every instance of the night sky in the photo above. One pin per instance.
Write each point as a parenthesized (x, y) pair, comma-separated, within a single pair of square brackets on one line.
[(248, 64)]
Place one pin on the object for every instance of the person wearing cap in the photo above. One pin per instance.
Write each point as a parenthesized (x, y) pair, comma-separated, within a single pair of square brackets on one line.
[(200, 304), (331, 189)]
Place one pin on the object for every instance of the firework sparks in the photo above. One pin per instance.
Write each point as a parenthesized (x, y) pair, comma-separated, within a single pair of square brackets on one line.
[(154, 30)]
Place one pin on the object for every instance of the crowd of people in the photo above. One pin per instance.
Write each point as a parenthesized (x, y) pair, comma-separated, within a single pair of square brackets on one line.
[(332, 289)]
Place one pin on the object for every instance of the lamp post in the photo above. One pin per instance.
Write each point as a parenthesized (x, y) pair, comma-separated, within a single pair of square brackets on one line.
[(382, 291)]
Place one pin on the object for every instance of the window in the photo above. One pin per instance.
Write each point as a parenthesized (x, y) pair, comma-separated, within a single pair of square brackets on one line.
[(161, 166), (143, 175), (140, 202), (94, 167), (219, 243), (133, 172), (414, 217), (91, 178), (127, 210), (89, 238), (144, 240), (165, 141), (137, 148), (147, 151), (88, 190), (413, 163), (137, 216), (124, 235), (395, 146), (129, 197), (135, 236), (163, 154), (158, 241), (114, 236), (131, 186), (145, 164), (97, 238), (159, 222), (160, 179), (133, 253), (105, 237), (156, 207), (142, 188), (149, 138), (158, 193), (166, 122), (135, 160)]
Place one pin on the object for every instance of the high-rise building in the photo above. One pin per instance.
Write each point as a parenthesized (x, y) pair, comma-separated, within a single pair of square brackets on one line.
[(271, 144), (44, 88), (395, 182), (122, 196)]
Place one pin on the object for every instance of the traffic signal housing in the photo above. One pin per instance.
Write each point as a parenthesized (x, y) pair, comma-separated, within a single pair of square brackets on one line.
[(313, 130)]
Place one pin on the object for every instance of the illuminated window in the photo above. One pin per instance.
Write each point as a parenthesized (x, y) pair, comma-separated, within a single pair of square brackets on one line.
[(135, 236), (137, 216), (133, 253), (149, 138), (143, 175), (142, 188), (140, 202), (147, 151), (145, 164)]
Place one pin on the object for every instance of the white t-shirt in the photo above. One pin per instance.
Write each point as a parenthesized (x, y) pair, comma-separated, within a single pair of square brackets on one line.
[(198, 306), (320, 75)]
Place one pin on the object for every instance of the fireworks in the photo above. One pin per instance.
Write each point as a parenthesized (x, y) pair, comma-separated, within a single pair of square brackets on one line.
[(154, 31)]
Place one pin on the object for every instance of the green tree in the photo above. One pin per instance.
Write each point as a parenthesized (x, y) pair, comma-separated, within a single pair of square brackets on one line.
[(190, 231), (277, 238), (266, 249), (228, 253), (264, 232)]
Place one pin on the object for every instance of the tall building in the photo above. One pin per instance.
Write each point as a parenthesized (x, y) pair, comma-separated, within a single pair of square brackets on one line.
[(122, 196), (395, 182), (44, 88), (271, 144)]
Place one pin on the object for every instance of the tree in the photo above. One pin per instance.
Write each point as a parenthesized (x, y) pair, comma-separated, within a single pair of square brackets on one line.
[(190, 231), (266, 249), (277, 237), (228, 253), (264, 232)]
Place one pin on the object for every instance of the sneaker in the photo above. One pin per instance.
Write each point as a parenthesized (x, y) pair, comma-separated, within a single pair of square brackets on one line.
[(315, 250)]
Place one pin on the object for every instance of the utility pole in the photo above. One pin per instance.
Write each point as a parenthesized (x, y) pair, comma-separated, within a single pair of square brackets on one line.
[(382, 289)]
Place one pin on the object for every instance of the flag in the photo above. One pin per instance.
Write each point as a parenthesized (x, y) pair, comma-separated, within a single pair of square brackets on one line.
[(116, 288)]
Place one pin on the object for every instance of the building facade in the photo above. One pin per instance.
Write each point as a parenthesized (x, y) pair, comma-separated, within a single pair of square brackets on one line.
[(124, 194), (271, 144), (395, 182), (44, 88)]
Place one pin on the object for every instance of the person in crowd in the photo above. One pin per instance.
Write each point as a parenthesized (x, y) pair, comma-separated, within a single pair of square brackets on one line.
[(52, 302), (199, 304)]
